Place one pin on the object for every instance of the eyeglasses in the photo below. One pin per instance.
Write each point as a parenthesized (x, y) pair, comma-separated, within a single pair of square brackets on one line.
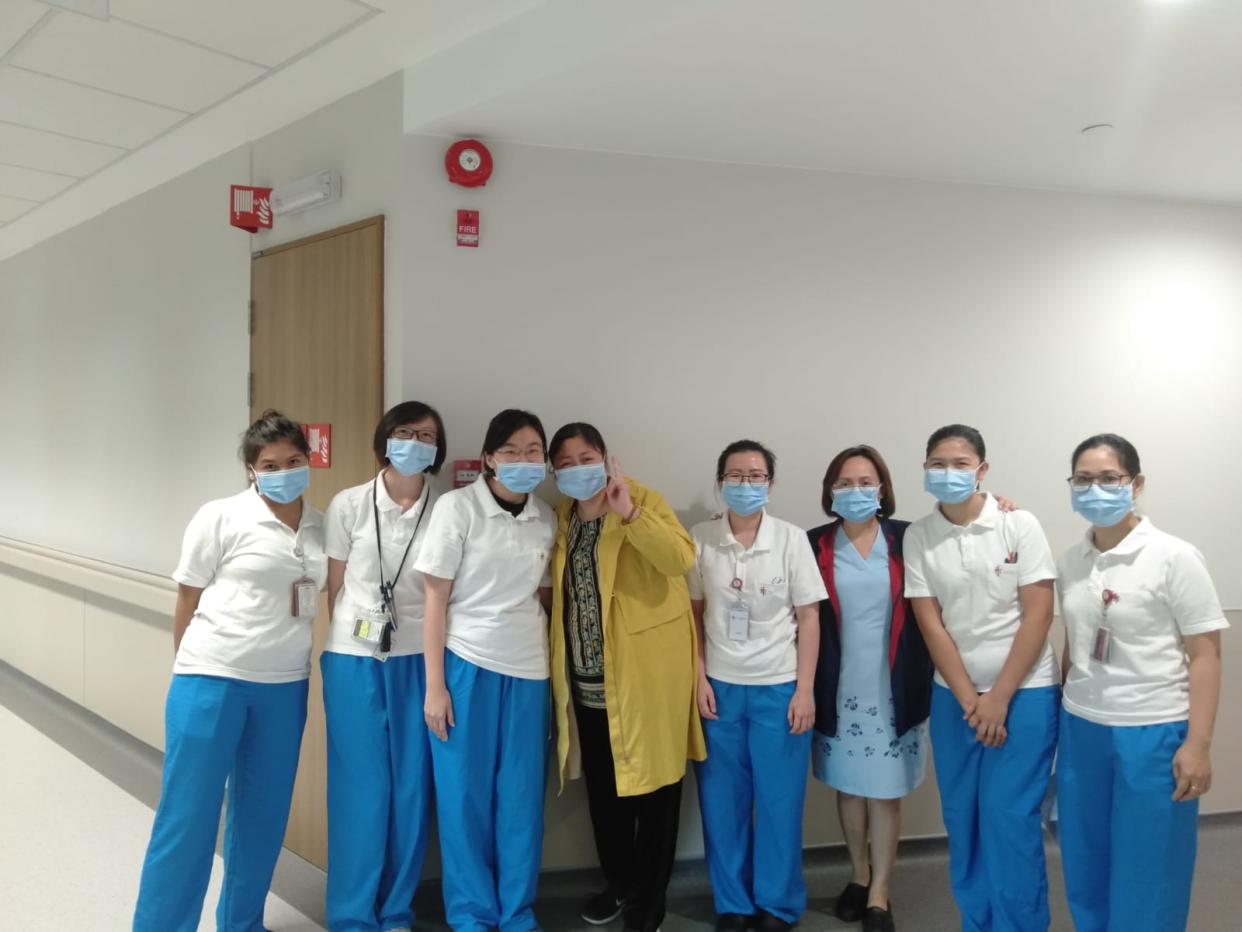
[(752, 478), (422, 436), (842, 484), (1107, 482)]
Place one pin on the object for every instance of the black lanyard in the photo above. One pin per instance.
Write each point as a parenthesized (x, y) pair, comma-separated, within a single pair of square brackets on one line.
[(386, 588)]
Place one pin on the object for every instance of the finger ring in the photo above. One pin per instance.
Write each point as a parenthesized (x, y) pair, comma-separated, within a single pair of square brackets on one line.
[(1193, 787)]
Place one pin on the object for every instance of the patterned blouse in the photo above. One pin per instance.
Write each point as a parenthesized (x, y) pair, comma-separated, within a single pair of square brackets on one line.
[(584, 627)]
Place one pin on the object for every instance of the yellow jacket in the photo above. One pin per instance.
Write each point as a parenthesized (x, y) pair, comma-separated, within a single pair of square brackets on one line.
[(650, 677)]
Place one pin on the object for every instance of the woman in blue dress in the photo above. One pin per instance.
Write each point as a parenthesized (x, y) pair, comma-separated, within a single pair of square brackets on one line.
[(873, 680)]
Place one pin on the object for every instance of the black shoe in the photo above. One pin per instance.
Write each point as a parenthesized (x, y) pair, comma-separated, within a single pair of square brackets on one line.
[(602, 908), (879, 920), (766, 922), (732, 922), (852, 903)]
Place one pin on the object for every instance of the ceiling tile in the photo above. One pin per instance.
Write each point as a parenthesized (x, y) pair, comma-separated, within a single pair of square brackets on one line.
[(264, 31), (16, 18), (11, 208), (125, 59), (33, 148), (45, 103), (30, 184)]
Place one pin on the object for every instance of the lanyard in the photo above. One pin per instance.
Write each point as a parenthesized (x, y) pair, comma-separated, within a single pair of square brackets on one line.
[(386, 587)]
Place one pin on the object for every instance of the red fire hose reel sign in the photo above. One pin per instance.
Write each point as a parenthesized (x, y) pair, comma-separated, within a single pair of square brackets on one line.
[(250, 208)]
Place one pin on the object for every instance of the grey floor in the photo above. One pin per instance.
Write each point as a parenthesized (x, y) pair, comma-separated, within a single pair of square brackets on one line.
[(921, 898)]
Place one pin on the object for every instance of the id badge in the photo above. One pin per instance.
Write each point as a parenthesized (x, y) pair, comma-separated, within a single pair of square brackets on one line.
[(369, 629), (1102, 646), (739, 621), (305, 598)]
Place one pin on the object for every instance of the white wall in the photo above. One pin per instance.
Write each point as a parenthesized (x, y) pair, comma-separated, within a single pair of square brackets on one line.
[(123, 360), (682, 305)]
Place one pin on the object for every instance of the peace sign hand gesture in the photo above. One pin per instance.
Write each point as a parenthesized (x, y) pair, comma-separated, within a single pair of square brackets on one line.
[(617, 491)]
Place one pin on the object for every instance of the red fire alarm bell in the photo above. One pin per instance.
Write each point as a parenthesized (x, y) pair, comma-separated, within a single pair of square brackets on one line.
[(468, 163), (250, 208)]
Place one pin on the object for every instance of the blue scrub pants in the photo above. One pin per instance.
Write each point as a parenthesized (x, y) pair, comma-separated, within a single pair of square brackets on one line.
[(379, 789), (490, 778), (752, 788), (990, 799), (218, 729), (1128, 849)]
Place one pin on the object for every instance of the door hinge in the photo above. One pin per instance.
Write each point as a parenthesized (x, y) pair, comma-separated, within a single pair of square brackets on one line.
[(252, 318), (250, 390)]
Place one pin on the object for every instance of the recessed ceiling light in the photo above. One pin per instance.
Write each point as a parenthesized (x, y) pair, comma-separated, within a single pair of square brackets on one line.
[(1097, 128), (95, 8)]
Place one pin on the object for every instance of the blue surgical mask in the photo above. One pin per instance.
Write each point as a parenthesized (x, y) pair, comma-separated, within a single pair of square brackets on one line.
[(521, 478), (951, 486), (743, 498), (857, 505), (284, 486), (1103, 508), (582, 482), (410, 457)]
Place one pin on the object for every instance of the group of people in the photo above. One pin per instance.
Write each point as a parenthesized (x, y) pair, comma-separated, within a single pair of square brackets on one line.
[(473, 631)]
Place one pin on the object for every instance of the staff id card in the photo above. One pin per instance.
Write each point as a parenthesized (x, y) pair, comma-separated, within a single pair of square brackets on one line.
[(739, 621), (305, 598)]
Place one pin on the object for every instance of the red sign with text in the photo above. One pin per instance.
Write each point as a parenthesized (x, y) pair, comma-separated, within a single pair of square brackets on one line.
[(465, 472), (468, 228), (250, 208), (319, 439)]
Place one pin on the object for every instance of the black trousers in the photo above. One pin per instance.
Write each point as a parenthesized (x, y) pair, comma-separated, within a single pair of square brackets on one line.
[(636, 836)]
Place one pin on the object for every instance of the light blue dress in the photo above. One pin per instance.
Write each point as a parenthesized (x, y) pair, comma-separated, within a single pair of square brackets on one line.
[(866, 757)]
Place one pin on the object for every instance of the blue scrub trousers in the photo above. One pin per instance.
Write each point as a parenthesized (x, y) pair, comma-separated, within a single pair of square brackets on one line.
[(752, 788), (1128, 849), (379, 789), (990, 799), (490, 778), (219, 730)]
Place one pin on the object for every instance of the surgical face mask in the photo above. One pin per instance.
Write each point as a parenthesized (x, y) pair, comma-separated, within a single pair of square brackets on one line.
[(410, 457), (743, 498), (284, 486), (951, 486), (521, 478), (582, 482), (1103, 508), (858, 504)]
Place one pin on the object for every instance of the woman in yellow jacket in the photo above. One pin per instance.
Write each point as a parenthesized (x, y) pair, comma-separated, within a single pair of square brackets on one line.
[(623, 657)]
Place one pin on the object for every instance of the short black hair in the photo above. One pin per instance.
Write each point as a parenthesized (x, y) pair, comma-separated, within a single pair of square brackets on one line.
[(271, 427), (503, 426), (587, 432), (961, 432), (746, 446), (409, 412), (1120, 445)]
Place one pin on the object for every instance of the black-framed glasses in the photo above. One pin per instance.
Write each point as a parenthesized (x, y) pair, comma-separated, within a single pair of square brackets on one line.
[(1109, 482), (752, 478), (422, 436)]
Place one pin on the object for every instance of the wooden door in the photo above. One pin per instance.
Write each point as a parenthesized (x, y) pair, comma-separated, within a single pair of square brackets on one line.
[(317, 355)]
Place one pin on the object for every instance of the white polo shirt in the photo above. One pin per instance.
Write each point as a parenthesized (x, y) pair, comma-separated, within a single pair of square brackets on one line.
[(246, 561), (497, 563), (974, 572), (349, 530), (1163, 593), (777, 573)]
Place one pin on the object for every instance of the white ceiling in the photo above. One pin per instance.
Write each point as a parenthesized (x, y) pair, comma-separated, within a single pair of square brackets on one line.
[(966, 90), (78, 93), (94, 111)]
